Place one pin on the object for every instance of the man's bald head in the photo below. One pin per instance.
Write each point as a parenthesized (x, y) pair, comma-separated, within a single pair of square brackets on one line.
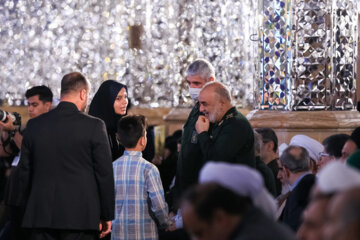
[(215, 101), (75, 88), (73, 82), (296, 159), (219, 89)]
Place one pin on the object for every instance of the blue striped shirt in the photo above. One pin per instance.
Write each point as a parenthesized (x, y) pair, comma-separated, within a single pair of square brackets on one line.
[(138, 190)]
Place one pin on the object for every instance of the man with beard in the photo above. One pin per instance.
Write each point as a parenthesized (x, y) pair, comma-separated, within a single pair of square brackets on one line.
[(224, 134)]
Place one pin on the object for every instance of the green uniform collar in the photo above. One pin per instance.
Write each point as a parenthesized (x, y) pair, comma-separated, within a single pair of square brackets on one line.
[(229, 114)]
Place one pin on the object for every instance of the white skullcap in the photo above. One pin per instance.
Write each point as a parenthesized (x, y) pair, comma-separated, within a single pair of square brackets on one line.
[(282, 148), (337, 176), (242, 180), (311, 145)]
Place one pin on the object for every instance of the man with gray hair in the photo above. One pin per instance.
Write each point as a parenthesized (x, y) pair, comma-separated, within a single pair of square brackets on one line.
[(224, 134), (294, 169), (188, 166)]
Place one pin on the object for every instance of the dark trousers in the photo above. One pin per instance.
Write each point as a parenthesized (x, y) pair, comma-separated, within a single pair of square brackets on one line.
[(55, 234), (12, 230)]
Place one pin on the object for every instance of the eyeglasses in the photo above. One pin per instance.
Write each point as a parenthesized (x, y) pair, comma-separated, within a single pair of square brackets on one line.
[(322, 154)]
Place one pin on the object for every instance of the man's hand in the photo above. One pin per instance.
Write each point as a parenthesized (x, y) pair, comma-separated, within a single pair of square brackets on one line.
[(104, 228), (202, 124), (172, 214), (171, 227), (8, 126), (157, 160)]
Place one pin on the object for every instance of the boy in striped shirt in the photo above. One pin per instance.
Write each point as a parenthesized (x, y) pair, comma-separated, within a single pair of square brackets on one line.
[(139, 195)]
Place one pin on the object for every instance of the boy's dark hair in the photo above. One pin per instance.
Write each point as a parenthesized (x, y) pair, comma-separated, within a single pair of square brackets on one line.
[(268, 135), (131, 129), (45, 94)]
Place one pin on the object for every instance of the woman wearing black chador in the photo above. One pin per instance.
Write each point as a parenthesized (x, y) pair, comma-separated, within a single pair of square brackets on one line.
[(109, 104)]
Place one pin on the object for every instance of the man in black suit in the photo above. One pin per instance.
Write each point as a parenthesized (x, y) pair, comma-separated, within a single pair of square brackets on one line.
[(66, 170), (295, 168), (269, 154), (39, 100)]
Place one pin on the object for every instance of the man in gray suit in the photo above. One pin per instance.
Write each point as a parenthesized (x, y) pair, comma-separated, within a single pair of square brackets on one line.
[(66, 170)]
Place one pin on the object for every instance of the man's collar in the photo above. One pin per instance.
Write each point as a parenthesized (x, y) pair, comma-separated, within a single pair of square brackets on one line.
[(293, 186), (229, 114), (68, 106)]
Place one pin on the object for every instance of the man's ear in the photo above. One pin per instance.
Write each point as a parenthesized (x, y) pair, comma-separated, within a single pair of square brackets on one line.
[(83, 94), (219, 218), (269, 146), (221, 101), (142, 141), (48, 105), (117, 136), (286, 171)]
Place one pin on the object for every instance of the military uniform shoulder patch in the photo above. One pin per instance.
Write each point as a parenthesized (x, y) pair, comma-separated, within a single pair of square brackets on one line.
[(194, 138), (230, 115)]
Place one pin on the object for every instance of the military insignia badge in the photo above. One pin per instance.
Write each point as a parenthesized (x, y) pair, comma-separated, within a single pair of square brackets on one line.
[(229, 116), (194, 138)]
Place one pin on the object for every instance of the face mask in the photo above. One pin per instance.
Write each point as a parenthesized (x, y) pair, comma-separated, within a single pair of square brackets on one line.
[(194, 93)]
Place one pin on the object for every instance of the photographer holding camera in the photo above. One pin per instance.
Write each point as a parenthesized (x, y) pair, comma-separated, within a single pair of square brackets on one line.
[(10, 141), (39, 100)]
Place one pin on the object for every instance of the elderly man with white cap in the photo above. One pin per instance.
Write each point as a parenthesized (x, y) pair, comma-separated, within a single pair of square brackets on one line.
[(334, 179), (231, 203), (294, 166), (313, 147)]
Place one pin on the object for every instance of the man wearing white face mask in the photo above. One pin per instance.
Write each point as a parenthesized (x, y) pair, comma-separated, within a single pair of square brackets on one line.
[(188, 167)]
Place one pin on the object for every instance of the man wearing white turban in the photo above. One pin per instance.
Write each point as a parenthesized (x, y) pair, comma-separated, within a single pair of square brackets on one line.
[(313, 147), (335, 178), (243, 181), (231, 203)]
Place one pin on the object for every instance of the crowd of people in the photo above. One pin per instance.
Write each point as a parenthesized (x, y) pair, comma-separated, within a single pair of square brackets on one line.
[(76, 175)]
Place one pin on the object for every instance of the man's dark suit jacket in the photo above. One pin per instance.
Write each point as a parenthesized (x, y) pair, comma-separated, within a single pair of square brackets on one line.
[(297, 201), (66, 171)]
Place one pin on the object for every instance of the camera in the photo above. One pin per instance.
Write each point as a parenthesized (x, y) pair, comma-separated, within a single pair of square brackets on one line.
[(15, 117)]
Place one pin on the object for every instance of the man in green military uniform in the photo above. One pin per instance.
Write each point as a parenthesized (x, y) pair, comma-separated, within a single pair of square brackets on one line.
[(189, 163), (224, 134)]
